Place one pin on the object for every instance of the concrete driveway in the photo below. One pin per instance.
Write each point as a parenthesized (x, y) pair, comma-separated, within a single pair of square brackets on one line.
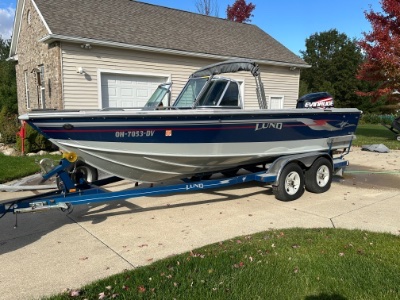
[(52, 251)]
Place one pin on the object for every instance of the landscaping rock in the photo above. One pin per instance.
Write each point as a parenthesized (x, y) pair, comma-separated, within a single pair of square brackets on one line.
[(42, 152), (10, 152), (55, 153), (31, 154)]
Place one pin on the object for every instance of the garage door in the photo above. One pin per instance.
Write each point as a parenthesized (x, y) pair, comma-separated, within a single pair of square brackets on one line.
[(120, 90)]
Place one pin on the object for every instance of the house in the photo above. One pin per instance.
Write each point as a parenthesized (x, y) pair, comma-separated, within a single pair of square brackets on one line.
[(113, 53)]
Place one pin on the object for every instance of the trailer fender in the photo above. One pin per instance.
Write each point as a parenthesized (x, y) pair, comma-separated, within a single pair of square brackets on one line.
[(304, 160)]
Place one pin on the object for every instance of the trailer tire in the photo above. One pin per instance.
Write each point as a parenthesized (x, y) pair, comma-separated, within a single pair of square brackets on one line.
[(230, 173), (290, 185), (398, 137), (319, 176), (200, 177), (82, 171)]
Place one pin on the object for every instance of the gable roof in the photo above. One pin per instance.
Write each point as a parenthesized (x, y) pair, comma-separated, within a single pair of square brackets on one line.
[(132, 24)]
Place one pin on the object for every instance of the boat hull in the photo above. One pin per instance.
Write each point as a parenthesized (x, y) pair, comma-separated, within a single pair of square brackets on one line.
[(156, 146)]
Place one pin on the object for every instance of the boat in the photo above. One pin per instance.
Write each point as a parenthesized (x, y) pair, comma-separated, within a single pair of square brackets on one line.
[(204, 131)]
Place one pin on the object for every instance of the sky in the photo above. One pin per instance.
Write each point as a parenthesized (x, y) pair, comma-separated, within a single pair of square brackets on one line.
[(290, 22)]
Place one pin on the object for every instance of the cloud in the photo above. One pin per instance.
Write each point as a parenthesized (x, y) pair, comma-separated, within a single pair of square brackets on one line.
[(6, 22)]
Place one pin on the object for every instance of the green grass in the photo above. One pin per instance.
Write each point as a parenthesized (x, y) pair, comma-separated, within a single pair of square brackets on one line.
[(14, 167), (278, 264), (368, 134)]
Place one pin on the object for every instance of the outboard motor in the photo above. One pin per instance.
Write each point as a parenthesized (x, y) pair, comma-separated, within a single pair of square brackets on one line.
[(316, 100)]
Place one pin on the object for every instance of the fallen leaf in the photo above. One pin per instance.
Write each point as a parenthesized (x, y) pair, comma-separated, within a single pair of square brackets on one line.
[(84, 258), (141, 289), (341, 254), (102, 295), (75, 293)]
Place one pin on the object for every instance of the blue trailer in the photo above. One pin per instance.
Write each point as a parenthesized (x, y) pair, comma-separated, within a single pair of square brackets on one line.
[(288, 175)]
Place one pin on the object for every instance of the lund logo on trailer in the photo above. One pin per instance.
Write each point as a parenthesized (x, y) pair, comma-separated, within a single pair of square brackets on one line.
[(194, 186), (260, 126)]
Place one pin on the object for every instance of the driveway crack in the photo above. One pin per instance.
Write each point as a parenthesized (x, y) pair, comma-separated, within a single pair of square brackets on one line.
[(94, 236)]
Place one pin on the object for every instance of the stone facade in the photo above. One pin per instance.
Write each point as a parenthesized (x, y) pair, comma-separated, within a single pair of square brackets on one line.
[(34, 56)]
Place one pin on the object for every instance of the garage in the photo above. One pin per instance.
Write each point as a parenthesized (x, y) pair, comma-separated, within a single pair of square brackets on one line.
[(124, 90)]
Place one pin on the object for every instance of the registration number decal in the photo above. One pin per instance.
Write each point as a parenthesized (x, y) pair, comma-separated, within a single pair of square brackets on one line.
[(134, 134)]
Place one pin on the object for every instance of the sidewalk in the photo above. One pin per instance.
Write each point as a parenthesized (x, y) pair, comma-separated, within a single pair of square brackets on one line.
[(51, 251)]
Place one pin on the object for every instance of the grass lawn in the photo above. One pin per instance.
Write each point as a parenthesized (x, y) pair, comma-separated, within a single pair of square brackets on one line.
[(278, 264), (14, 167), (368, 134)]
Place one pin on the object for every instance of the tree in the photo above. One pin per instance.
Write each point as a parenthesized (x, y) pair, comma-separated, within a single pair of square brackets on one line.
[(382, 52), (8, 83), (240, 11), (334, 60), (207, 7)]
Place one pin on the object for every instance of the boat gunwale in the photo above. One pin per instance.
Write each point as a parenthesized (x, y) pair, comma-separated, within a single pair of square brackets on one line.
[(188, 112)]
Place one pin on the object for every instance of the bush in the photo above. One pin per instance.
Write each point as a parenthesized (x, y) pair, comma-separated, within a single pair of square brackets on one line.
[(34, 141), (378, 119), (8, 126)]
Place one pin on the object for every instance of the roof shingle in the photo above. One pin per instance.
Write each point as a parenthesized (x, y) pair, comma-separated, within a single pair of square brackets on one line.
[(142, 24)]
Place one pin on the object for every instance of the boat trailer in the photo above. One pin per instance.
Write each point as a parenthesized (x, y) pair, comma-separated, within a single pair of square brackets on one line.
[(284, 174)]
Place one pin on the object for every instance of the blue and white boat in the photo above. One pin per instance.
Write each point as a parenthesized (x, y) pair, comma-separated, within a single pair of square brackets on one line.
[(205, 130)]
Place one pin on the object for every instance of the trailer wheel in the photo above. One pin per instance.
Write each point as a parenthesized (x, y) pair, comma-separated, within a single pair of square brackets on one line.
[(290, 183), (319, 176), (398, 137), (230, 173), (82, 171), (85, 172), (200, 177)]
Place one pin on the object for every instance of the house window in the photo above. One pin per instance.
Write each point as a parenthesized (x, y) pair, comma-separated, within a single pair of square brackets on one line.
[(41, 85), (28, 105), (275, 102)]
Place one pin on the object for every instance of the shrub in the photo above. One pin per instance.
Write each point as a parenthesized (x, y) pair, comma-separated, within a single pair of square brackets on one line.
[(8, 126), (377, 119)]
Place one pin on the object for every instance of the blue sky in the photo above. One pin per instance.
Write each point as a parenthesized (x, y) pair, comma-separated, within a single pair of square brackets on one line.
[(290, 22)]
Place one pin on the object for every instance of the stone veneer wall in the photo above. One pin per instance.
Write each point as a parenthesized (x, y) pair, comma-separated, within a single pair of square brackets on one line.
[(31, 54)]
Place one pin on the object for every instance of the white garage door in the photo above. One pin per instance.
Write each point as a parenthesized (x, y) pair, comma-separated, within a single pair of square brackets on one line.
[(120, 90)]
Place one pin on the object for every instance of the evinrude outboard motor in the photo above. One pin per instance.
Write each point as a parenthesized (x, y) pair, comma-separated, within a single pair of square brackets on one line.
[(316, 100)]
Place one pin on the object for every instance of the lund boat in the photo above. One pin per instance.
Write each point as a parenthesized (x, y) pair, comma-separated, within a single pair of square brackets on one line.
[(206, 130)]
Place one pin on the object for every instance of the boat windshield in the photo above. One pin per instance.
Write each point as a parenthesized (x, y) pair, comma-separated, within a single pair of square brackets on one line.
[(190, 92), (159, 97)]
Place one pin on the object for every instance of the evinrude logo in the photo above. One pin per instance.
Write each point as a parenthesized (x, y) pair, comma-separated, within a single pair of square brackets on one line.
[(320, 103), (260, 126)]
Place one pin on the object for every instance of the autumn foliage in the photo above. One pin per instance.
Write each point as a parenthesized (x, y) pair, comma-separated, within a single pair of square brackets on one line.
[(240, 11), (382, 51)]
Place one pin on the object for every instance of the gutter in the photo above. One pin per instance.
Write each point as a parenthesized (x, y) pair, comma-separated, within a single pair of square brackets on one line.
[(57, 37)]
